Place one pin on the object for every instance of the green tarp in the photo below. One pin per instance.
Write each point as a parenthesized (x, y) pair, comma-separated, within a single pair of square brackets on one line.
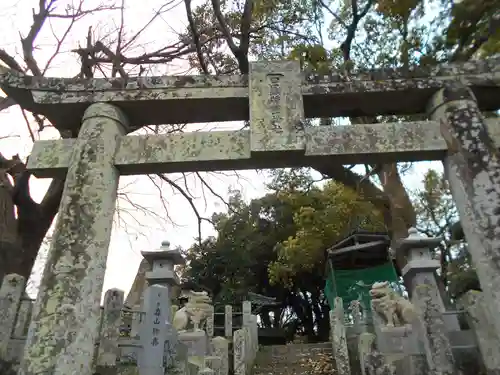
[(345, 283)]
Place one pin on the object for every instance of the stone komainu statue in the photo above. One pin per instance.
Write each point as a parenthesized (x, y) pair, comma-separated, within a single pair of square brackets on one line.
[(195, 310), (390, 306)]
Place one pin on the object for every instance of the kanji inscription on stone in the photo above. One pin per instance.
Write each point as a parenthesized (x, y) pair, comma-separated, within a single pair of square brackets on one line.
[(153, 330), (276, 106)]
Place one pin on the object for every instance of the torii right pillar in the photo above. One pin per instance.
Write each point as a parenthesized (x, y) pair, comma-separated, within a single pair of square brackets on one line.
[(472, 167)]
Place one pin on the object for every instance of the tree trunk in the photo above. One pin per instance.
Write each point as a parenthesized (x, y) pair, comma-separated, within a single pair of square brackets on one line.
[(393, 201), (9, 245), (21, 237), (403, 215)]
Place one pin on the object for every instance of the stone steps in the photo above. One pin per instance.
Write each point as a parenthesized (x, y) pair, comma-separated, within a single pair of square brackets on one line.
[(294, 359)]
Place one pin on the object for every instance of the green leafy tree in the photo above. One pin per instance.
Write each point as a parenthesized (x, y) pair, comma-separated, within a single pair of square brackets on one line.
[(322, 216), (343, 36), (275, 245)]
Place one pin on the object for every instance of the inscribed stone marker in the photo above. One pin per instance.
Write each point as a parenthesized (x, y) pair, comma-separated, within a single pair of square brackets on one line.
[(154, 330), (276, 106)]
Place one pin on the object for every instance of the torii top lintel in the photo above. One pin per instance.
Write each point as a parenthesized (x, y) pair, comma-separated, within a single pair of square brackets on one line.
[(199, 98)]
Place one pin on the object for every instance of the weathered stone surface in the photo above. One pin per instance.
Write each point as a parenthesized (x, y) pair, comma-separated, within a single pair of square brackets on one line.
[(338, 337), (64, 325), (221, 150), (162, 263), (239, 352), (210, 322), (473, 170), (228, 321), (421, 268), (247, 311), (109, 352), (372, 361), (10, 298), (196, 342), (254, 334), (221, 349), (154, 333), (436, 341), (23, 316), (406, 141), (196, 149), (160, 100), (479, 318), (276, 106), (208, 151)]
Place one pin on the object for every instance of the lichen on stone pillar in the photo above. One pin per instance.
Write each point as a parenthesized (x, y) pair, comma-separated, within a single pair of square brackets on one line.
[(339, 338), (472, 167), (63, 328), (436, 339)]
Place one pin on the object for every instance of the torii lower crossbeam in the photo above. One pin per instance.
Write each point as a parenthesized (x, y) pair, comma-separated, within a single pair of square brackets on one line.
[(230, 150)]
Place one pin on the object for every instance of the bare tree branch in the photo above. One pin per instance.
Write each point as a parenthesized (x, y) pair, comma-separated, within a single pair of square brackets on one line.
[(196, 37)]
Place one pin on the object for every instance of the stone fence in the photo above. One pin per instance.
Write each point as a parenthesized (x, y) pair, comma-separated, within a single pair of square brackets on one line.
[(121, 337), (438, 342)]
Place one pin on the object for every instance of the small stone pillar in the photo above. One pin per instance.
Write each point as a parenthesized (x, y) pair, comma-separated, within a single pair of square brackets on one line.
[(247, 312), (471, 167), (64, 326), (109, 352), (156, 332), (339, 339), (209, 325), (220, 347), (228, 321), (239, 352), (421, 269)]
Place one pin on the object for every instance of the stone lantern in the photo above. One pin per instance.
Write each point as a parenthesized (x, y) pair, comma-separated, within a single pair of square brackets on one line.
[(162, 263), (421, 268), (157, 336)]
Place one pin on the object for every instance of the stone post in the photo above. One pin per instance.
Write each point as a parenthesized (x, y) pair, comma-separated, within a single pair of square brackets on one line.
[(479, 320), (221, 349), (11, 292), (247, 312), (156, 332), (228, 321), (421, 269), (109, 352), (436, 342), (239, 352), (339, 339), (254, 334), (209, 328), (472, 168), (63, 329)]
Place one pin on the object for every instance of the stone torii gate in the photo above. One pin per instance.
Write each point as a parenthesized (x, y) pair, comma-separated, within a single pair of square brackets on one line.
[(276, 97)]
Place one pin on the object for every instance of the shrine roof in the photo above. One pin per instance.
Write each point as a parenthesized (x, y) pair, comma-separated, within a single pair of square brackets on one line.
[(201, 98)]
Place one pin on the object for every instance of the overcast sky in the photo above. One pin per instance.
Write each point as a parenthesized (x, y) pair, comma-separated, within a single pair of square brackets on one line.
[(133, 231)]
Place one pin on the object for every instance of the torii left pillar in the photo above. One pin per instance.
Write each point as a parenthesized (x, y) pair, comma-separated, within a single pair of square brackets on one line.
[(65, 320)]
